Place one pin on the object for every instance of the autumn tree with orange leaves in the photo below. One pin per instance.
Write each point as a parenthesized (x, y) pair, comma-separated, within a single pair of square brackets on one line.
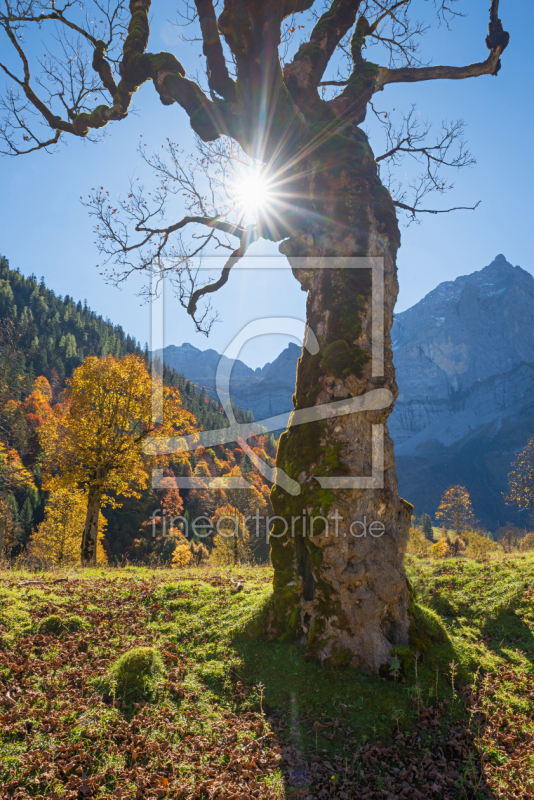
[(94, 439), (455, 509)]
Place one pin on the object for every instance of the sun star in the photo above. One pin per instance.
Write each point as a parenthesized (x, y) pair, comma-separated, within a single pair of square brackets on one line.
[(253, 191)]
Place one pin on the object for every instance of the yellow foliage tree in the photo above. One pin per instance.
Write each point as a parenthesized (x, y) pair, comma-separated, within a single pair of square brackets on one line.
[(455, 509), (182, 556), (521, 479), (231, 542), (59, 536), (527, 543), (441, 549), (249, 504), (13, 474), (94, 439)]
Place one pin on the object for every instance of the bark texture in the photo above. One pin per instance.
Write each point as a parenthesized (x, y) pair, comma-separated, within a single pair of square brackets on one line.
[(345, 593), (90, 533)]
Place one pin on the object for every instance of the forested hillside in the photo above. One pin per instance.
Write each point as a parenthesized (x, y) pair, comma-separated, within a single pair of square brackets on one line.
[(60, 332), (46, 336)]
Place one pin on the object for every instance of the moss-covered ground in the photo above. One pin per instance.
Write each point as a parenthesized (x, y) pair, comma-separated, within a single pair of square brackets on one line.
[(236, 716)]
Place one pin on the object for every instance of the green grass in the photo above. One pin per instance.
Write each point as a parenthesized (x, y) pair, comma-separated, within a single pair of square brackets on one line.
[(479, 618)]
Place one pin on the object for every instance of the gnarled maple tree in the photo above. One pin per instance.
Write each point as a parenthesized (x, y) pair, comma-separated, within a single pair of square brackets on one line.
[(348, 595)]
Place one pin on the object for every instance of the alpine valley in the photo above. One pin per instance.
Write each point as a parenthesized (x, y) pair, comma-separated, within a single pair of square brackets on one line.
[(464, 357)]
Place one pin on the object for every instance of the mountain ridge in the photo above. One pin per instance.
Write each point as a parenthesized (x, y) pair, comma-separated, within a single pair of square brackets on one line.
[(266, 390), (464, 359)]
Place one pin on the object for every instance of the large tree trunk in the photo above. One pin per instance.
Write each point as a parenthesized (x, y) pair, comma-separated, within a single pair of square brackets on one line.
[(90, 533), (346, 595)]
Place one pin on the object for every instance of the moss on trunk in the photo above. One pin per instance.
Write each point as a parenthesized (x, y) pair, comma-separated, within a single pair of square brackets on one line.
[(345, 595)]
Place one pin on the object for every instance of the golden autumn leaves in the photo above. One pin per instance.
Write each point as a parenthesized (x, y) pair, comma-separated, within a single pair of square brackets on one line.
[(455, 509), (93, 439), (521, 478), (59, 536)]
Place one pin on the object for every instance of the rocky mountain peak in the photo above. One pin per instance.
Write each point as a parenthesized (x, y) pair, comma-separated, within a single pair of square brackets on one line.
[(465, 330), (266, 390), (464, 359)]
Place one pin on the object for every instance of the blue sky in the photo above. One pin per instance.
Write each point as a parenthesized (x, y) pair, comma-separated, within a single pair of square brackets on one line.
[(44, 228)]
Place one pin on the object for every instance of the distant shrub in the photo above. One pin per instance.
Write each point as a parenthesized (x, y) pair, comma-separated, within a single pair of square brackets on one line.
[(52, 624), (527, 543), (135, 675), (479, 547), (456, 545), (441, 549), (418, 544), (200, 553), (182, 556), (509, 537)]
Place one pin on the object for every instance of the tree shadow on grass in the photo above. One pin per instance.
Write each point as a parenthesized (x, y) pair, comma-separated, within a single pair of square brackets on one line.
[(344, 734), (507, 631)]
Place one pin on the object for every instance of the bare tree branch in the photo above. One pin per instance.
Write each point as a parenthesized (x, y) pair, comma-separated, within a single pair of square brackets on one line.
[(394, 30), (214, 287), (16, 125), (134, 234), (136, 67), (496, 41), (411, 140), (413, 210), (410, 75), (114, 47)]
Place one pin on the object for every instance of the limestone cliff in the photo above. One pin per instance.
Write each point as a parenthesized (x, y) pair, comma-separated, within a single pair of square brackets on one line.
[(464, 357)]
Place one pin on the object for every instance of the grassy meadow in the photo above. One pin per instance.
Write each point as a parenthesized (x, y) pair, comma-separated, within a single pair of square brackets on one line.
[(206, 707)]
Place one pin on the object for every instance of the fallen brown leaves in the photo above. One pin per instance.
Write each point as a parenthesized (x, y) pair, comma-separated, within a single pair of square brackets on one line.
[(507, 733), (402, 768), (77, 743)]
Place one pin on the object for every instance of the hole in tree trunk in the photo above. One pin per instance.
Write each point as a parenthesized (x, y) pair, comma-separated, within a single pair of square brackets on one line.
[(304, 568), (389, 628)]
